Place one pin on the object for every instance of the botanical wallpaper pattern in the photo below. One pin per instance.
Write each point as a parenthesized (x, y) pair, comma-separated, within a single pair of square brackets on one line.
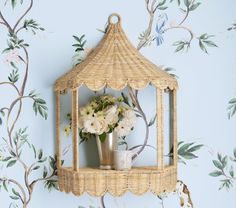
[(28, 166)]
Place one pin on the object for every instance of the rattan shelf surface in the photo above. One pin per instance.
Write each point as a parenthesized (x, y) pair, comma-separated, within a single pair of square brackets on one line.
[(138, 180)]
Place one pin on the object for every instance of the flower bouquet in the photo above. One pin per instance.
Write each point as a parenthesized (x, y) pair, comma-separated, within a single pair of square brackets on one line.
[(107, 118), (106, 114)]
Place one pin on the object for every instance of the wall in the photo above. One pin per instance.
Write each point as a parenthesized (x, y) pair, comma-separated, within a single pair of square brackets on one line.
[(206, 75)]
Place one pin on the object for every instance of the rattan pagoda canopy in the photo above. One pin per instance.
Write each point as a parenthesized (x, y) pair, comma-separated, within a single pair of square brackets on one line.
[(115, 63)]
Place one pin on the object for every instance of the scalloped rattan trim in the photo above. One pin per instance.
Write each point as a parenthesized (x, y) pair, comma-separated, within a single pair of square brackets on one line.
[(98, 182)]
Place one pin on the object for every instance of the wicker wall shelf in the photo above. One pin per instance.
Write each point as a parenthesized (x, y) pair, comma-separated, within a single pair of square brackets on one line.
[(97, 182), (116, 63)]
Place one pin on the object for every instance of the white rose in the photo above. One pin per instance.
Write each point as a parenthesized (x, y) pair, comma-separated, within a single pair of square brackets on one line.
[(123, 128), (95, 125)]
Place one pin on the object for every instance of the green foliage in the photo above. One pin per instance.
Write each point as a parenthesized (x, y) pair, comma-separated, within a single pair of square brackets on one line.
[(13, 2), (231, 107), (39, 105), (233, 27), (181, 46), (15, 195), (224, 170), (191, 5), (11, 163), (80, 43), (234, 155), (152, 121), (125, 99), (161, 5), (14, 43), (102, 137), (204, 42), (170, 70), (145, 38), (2, 114), (14, 75), (187, 151), (79, 48), (51, 183), (32, 25), (20, 138)]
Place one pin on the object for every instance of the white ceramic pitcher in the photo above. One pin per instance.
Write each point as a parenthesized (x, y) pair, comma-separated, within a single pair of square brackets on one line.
[(123, 159)]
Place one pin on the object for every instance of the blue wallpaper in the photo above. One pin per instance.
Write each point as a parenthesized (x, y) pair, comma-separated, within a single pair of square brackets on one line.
[(193, 40)]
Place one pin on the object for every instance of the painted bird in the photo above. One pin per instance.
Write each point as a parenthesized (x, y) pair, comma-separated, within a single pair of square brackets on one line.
[(161, 21)]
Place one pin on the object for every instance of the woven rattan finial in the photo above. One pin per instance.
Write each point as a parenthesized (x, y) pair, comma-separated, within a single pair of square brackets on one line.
[(111, 18)]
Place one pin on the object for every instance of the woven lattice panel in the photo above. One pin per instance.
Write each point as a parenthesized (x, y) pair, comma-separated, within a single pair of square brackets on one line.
[(97, 182), (115, 63)]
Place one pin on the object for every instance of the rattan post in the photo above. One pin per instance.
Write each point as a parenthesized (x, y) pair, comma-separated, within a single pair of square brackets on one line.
[(160, 130), (174, 108), (75, 129), (58, 143)]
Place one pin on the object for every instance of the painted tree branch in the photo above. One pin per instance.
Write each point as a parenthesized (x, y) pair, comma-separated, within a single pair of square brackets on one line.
[(24, 14), (181, 27), (13, 144), (134, 98), (12, 84), (151, 9), (103, 201), (23, 197), (5, 23)]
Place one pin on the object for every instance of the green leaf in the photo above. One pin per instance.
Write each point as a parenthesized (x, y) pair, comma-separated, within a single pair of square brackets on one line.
[(6, 159), (189, 156), (152, 121), (13, 3), (11, 163), (5, 185), (203, 48), (42, 160), (179, 48), (36, 167), (203, 36), (187, 3), (219, 157), (14, 197), (217, 164), (224, 162), (216, 173), (40, 154), (195, 148), (45, 172), (102, 137), (184, 148), (231, 171), (34, 150), (15, 192), (125, 99), (232, 101), (235, 152), (194, 6), (162, 8), (210, 43)]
